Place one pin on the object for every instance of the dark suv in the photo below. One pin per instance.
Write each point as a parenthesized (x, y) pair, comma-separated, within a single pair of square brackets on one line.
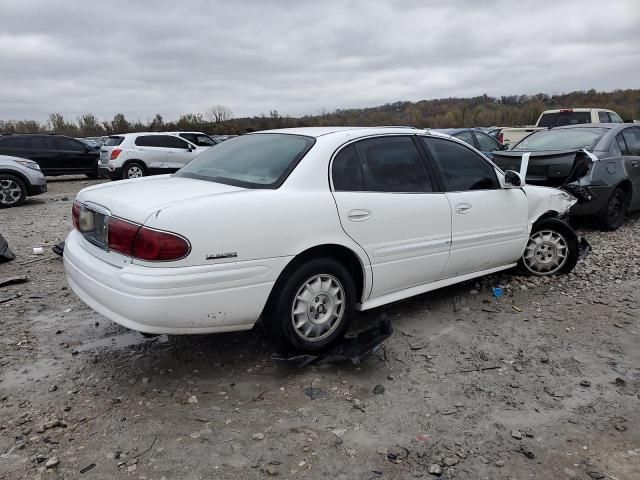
[(56, 154)]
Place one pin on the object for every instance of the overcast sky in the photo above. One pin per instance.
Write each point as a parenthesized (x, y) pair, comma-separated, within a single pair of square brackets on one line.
[(302, 56)]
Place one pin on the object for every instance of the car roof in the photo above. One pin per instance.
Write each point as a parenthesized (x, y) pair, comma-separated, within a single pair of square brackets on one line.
[(356, 131), (579, 109)]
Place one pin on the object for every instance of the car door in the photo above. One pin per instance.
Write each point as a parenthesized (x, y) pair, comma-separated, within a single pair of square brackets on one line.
[(388, 204), (489, 223), (486, 144), (152, 151), (42, 149), (631, 155), (179, 151), (74, 156)]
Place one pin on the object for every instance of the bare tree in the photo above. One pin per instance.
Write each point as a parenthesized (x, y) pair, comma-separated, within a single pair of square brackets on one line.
[(219, 114)]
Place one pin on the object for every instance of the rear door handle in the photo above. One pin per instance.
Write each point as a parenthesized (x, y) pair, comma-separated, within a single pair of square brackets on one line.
[(463, 208), (359, 215)]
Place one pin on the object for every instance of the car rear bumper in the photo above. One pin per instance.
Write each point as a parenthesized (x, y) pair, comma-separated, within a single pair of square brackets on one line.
[(179, 300), (113, 173)]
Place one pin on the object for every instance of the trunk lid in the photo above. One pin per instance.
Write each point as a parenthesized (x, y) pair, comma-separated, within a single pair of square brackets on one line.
[(135, 200)]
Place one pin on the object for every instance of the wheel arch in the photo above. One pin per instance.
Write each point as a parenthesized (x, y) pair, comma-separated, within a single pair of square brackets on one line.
[(19, 175), (129, 161), (345, 255), (627, 186)]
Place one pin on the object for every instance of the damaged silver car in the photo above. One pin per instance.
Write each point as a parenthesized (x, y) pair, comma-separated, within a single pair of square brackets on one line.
[(599, 164)]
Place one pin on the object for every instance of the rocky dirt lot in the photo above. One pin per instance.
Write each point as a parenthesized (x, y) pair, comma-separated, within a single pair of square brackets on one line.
[(542, 383)]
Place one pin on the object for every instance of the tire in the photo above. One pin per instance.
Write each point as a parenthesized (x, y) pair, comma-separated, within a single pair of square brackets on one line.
[(311, 290), (13, 191), (552, 249), (613, 214), (133, 170)]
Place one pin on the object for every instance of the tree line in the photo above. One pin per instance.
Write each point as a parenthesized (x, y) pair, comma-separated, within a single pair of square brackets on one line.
[(516, 110)]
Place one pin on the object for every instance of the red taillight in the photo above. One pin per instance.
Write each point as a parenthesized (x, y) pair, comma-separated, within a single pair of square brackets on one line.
[(501, 137), (154, 245), (75, 213), (144, 243), (121, 235), (566, 110), (114, 153)]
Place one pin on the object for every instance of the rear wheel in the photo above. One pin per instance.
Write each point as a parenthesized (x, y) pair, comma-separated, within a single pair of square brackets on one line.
[(311, 306), (13, 191), (612, 215), (552, 249), (133, 170)]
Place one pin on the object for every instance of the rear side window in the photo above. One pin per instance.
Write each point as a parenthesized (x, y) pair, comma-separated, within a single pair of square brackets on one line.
[(621, 144), (169, 141), (486, 143), (461, 168), (632, 139), (114, 141), (393, 164), (147, 141), (347, 171), (14, 142), (558, 119), (69, 145)]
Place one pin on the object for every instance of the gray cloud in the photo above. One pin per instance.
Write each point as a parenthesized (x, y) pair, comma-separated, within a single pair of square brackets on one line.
[(300, 57)]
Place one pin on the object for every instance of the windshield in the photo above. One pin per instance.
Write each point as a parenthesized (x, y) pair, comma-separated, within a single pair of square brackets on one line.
[(561, 139), (262, 160)]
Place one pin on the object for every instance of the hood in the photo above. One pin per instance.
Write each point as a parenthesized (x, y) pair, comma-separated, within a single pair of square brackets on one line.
[(137, 199)]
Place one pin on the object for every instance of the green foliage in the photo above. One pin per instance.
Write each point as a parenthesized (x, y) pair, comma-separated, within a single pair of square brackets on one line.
[(515, 110)]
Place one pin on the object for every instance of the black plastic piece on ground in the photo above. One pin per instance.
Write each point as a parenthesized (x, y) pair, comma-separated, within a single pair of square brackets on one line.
[(6, 255), (584, 248), (58, 249), (356, 349)]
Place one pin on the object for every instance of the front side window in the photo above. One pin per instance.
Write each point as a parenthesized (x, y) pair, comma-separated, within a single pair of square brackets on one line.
[(603, 117), (198, 139), (259, 160), (632, 139), (393, 164), (461, 168), (615, 118), (69, 145), (169, 141), (486, 143)]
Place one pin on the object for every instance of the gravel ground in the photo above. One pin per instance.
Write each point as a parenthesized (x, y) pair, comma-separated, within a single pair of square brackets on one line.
[(541, 383)]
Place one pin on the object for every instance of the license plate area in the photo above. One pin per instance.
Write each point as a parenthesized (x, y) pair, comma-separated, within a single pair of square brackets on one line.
[(94, 226)]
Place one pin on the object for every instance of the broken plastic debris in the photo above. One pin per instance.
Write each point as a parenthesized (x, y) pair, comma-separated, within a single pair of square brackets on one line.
[(6, 255), (497, 292), (583, 248), (38, 250), (356, 349), (58, 249)]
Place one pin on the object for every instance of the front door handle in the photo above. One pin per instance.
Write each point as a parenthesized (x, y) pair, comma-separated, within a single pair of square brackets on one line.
[(634, 163), (359, 215), (463, 208)]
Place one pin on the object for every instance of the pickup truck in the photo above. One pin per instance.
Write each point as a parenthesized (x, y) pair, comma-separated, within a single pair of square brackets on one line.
[(559, 118)]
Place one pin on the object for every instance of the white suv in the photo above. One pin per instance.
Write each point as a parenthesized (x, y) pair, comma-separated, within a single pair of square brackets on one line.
[(133, 155)]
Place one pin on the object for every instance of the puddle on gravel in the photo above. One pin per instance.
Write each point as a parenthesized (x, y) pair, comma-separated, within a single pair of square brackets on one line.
[(123, 340), (45, 368)]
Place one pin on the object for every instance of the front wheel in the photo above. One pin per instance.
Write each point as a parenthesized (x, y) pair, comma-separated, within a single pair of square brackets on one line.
[(13, 191), (612, 215), (552, 249), (311, 306)]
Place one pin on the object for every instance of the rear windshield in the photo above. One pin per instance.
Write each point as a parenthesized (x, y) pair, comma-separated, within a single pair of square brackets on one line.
[(262, 160), (561, 139), (558, 119), (113, 141)]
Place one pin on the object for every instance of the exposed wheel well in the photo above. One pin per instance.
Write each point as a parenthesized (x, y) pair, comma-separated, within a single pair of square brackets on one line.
[(337, 252), (626, 186), (548, 214)]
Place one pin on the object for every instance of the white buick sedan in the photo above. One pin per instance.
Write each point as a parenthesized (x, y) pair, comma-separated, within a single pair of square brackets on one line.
[(301, 227)]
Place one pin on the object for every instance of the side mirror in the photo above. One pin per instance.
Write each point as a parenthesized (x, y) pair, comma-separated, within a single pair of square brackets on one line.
[(512, 179)]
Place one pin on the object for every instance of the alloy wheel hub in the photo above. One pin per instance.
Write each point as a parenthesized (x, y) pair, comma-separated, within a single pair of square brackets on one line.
[(318, 307)]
